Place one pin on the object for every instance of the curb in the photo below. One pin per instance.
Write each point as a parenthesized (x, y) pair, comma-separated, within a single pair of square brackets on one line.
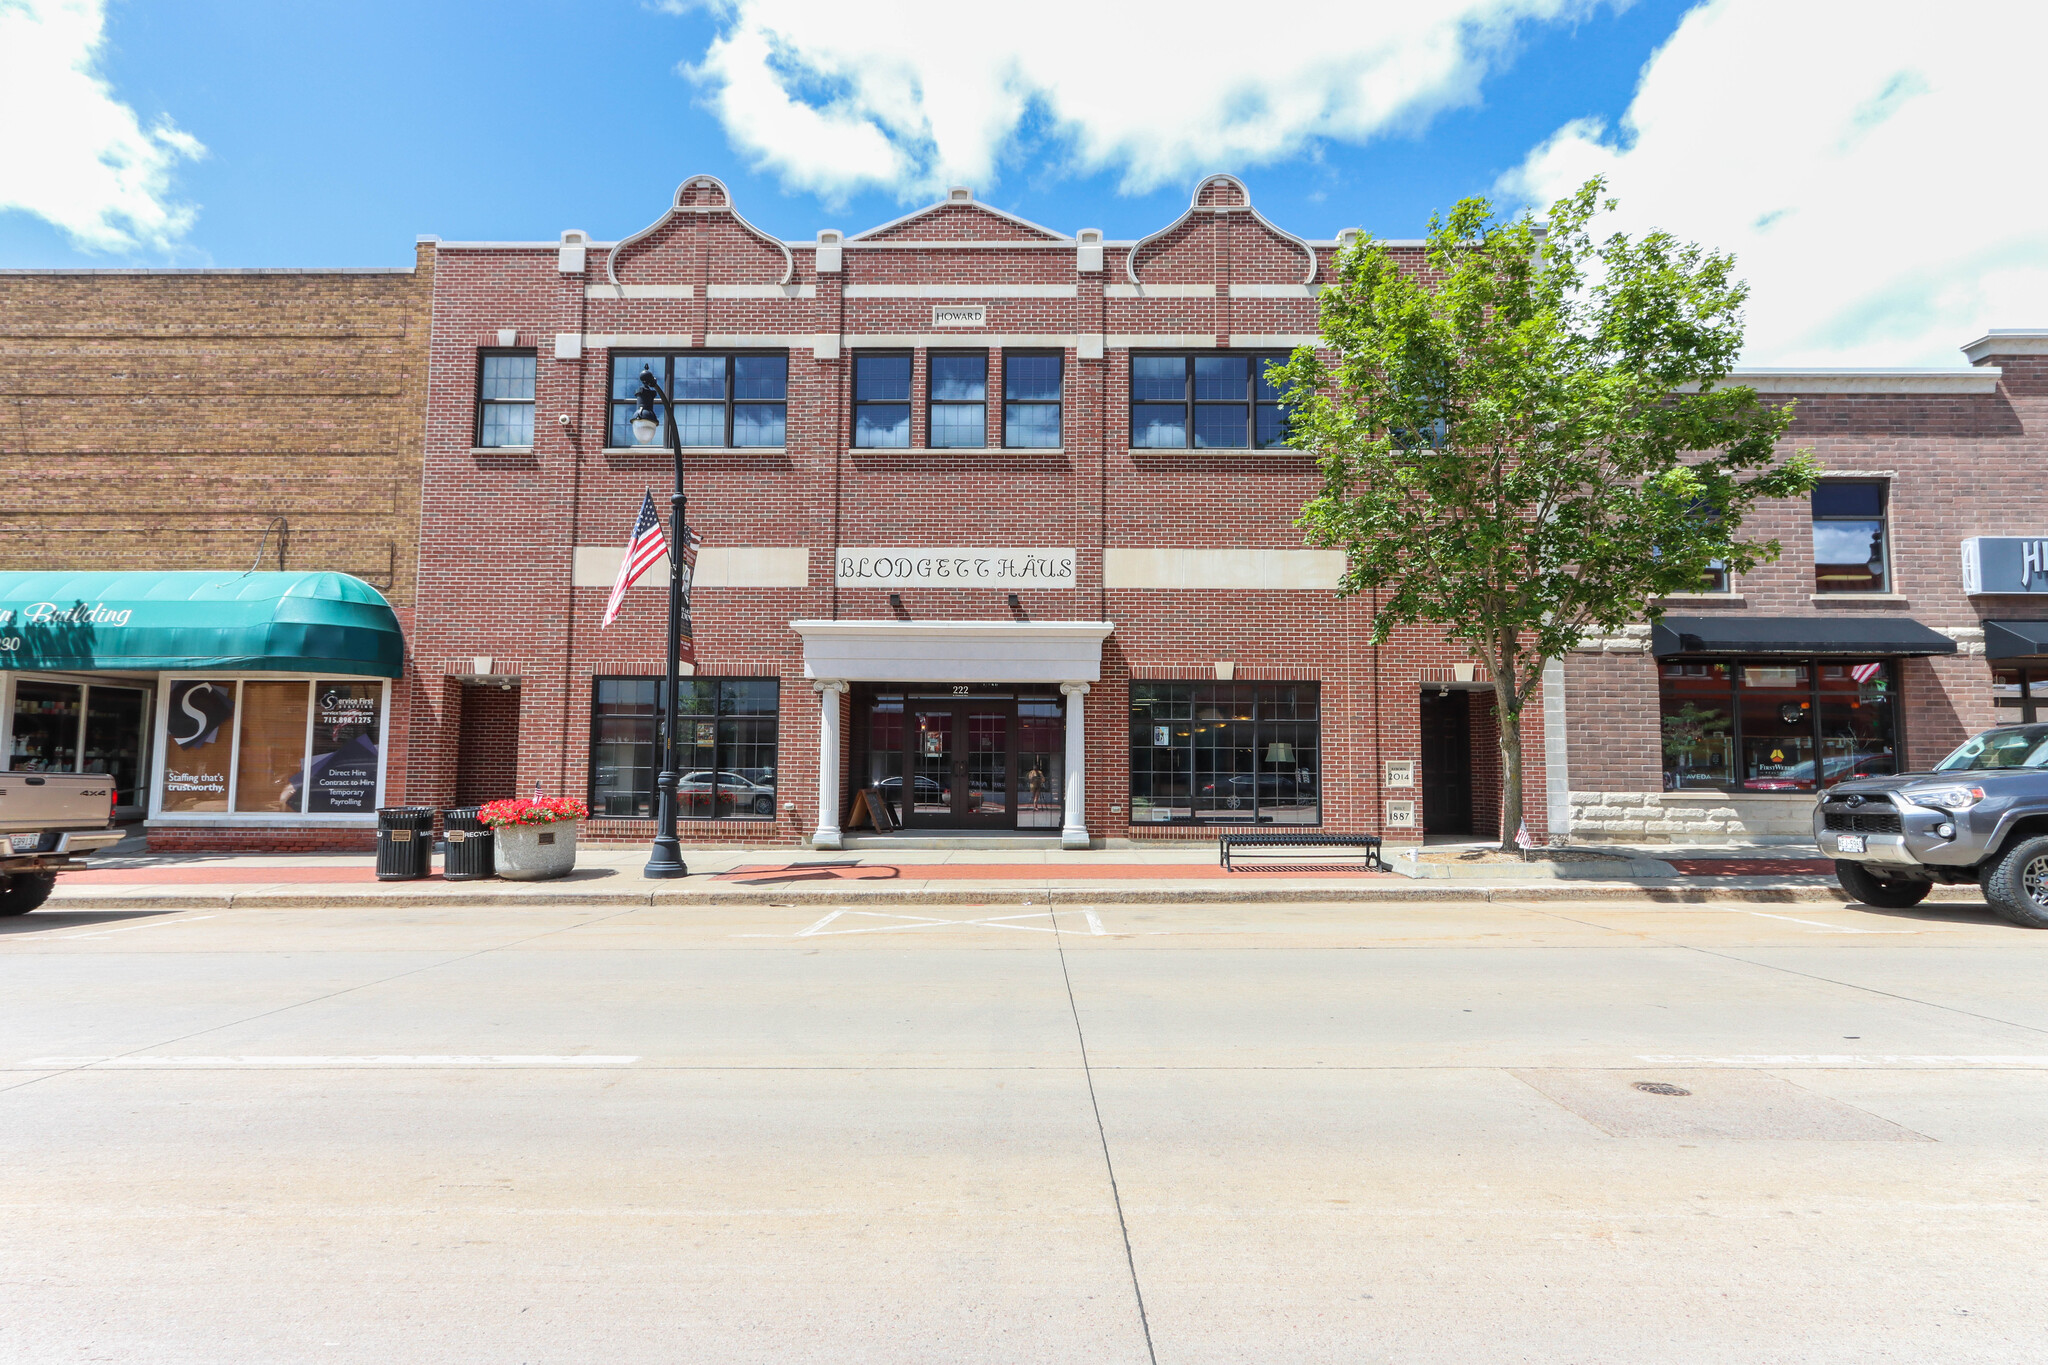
[(1757, 891)]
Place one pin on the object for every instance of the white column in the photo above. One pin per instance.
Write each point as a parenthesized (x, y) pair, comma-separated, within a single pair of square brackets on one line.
[(828, 690), (1074, 823)]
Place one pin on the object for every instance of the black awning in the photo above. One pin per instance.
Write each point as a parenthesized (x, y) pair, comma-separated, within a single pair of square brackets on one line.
[(2015, 639), (1736, 633)]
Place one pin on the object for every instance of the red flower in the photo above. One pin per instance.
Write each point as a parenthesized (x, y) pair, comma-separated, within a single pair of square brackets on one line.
[(539, 810)]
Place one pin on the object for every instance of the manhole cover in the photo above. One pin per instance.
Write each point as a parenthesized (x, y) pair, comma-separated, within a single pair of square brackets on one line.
[(1661, 1088)]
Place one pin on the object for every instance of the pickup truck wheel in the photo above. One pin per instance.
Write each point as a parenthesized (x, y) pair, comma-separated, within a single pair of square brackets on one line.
[(1871, 889), (21, 894), (2016, 883)]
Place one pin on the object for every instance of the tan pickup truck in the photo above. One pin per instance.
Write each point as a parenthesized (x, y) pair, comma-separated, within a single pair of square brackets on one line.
[(48, 821)]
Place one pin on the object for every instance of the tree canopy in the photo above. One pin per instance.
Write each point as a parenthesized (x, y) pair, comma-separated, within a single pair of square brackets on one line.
[(1530, 439)]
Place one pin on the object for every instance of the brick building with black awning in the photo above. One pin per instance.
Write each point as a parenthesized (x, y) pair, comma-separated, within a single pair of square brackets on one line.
[(1904, 615)]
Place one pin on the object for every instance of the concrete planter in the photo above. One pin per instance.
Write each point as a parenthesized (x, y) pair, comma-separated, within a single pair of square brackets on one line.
[(535, 853)]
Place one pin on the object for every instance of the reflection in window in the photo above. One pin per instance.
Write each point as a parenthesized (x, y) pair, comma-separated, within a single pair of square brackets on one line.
[(1775, 726), (721, 400), (959, 401), (1225, 753), (1697, 705), (881, 401), (504, 399), (1031, 400), (725, 749), (1849, 537), (1207, 401)]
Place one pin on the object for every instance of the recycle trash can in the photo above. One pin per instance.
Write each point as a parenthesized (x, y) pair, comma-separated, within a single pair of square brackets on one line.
[(467, 848), (405, 842)]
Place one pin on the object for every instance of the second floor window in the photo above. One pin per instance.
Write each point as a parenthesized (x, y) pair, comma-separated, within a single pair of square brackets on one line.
[(1031, 400), (881, 400), (1215, 401), (740, 399), (1849, 552), (959, 400), (504, 399)]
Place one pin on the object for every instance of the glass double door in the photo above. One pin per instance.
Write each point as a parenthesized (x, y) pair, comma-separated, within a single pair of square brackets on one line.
[(961, 773)]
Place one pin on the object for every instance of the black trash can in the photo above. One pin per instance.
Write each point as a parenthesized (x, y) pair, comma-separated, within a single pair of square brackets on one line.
[(468, 848), (405, 843)]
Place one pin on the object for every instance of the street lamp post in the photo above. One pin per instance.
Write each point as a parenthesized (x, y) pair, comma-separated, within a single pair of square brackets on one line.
[(665, 859)]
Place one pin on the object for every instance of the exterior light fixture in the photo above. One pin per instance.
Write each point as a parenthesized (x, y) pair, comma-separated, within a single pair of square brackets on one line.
[(646, 426)]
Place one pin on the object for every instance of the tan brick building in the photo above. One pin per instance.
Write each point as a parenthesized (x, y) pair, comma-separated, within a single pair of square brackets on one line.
[(190, 426)]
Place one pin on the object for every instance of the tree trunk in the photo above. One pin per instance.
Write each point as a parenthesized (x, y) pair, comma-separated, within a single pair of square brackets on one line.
[(1510, 727), (1507, 712)]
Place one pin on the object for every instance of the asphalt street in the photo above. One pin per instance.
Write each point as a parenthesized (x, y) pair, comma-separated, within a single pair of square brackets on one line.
[(1123, 1134)]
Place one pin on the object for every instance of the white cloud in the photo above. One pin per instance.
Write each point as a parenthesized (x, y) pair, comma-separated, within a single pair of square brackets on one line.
[(914, 95), (1871, 168), (72, 153)]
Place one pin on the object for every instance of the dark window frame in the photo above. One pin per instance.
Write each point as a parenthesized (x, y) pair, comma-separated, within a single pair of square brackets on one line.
[(476, 432), (1060, 403), (717, 717), (1735, 785), (731, 400), (1887, 580), (2032, 701), (931, 402), (1251, 403), (854, 402), (1259, 744)]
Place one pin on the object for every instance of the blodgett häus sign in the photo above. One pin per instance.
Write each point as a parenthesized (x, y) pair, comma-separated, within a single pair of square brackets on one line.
[(929, 567), (2005, 564)]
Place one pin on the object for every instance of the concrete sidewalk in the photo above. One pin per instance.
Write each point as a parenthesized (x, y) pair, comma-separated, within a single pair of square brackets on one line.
[(980, 875)]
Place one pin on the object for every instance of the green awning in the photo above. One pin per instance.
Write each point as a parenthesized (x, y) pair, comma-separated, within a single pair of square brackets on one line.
[(282, 622)]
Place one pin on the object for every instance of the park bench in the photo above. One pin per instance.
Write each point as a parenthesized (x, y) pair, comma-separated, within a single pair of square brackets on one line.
[(1271, 850)]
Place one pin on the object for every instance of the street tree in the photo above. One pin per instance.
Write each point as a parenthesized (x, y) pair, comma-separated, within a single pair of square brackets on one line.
[(1531, 440)]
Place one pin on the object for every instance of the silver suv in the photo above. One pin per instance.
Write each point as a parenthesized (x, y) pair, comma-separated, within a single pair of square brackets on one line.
[(1980, 815)]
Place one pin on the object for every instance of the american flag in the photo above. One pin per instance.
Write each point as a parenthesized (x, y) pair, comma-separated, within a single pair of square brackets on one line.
[(643, 551), (1863, 673)]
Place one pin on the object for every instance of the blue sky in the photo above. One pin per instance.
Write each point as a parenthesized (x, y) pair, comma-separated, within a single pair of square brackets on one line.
[(211, 133)]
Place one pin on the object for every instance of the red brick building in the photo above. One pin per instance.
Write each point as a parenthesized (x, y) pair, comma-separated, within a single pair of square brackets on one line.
[(1896, 623), (998, 530), (995, 514)]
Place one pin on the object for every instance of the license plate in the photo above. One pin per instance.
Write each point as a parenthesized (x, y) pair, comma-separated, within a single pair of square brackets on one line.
[(1849, 843), (24, 843)]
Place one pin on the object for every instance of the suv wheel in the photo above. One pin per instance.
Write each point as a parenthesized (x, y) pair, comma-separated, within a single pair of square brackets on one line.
[(2016, 883), (19, 895), (1864, 885)]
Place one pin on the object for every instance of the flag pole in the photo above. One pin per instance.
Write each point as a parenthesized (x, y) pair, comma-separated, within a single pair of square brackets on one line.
[(665, 858)]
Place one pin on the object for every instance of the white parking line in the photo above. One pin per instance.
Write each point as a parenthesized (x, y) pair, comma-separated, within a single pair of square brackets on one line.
[(145, 1060), (131, 928), (1844, 1059), (1825, 927)]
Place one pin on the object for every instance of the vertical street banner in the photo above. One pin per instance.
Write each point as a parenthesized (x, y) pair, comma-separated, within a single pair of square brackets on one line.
[(688, 542)]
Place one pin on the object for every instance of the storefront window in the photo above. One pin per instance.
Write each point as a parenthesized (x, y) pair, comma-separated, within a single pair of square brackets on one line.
[(1214, 752), (1041, 735), (726, 745), (45, 727), (1775, 725), (271, 763), (198, 743), (113, 738), (622, 759), (1698, 725), (347, 726), (293, 746), (2019, 694)]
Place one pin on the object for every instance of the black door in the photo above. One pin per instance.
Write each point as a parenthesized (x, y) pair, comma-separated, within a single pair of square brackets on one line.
[(1446, 764), (959, 765)]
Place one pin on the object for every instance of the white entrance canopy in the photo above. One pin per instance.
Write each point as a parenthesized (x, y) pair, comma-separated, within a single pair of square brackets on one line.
[(1065, 652), (954, 651)]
